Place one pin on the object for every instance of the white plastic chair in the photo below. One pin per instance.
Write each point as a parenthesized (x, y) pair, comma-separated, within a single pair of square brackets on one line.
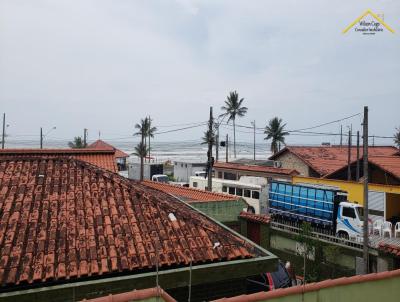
[(396, 229), (387, 228), (377, 226)]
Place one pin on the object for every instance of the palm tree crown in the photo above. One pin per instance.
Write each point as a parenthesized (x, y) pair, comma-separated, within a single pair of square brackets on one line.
[(77, 143), (142, 128), (275, 130), (140, 150), (233, 108)]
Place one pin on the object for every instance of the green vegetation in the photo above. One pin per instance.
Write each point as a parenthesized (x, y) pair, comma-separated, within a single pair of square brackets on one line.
[(233, 108), (275, 130), (77, 143)]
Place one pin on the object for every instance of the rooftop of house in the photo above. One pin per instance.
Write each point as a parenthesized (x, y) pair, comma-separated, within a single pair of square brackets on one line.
[(258, 218), (254, 168), (63, 219), (100, 144), (190, 194), (328, 159), (136, 295), (103, 158), (282, 293)]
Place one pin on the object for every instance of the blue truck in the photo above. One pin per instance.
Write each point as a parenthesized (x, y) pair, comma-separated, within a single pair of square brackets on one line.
[(323, 206)]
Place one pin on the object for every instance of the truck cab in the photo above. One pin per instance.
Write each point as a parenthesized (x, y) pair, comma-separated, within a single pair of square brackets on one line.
[(350, 220)]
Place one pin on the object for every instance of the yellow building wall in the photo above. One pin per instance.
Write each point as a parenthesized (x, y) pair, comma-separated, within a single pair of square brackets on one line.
[(354, 189)]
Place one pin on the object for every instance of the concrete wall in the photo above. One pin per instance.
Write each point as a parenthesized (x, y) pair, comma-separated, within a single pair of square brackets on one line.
[(291, 161), (369, 291)]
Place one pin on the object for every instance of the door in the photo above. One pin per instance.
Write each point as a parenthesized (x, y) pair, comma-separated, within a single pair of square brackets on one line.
[(376, 205), (253, 231)]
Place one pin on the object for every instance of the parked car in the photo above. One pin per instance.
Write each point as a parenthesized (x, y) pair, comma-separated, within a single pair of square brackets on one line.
[(269, 281)]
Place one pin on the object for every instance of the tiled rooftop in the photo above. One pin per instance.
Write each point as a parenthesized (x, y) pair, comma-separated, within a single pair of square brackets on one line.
[(100, 144), (136, 295), (283, 293), (389, 164), (102, 158), (325, 160), (189, 194), (259, 218), (254, 168), (63, 219), (389, 248)]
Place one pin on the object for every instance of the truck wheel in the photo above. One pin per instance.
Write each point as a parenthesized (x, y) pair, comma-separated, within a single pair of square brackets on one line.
[(343, 235)]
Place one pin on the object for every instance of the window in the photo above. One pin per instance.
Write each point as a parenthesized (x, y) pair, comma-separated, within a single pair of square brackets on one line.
[(255, 195), (195, 184), (224, 189), (239, 191), (247, 193), (232, 190), (230, 176), (219, 174), (349, 212)]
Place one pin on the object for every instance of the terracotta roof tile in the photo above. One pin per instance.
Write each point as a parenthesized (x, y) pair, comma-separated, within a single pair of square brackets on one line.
[(189, 194), (62, 218), (136, 295), (326, 160), (100, 144), (260, 218), (102, 158), (254, 168), (389, 248), (311, 287)]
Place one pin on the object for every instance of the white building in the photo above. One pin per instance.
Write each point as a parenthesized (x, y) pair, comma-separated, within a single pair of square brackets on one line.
[(183, 170)]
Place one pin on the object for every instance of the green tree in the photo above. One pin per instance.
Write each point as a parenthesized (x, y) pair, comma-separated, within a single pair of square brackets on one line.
[(208, 137), (397, 137), (141, 152), (77, 143), (233, 108), (150, 131), (275, 130)]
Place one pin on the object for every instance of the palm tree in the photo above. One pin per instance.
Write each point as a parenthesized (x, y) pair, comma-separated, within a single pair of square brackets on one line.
[(397, 137), (208, 138), (77, 143), (141, 152), (142, 127), (150, 131), (233, 108), (275, 130)]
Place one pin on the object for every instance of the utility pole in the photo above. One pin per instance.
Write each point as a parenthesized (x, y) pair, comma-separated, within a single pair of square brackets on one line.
[(84, 138), (365, 168), (41, 138), (341, 135), (209, 152), (358, 157), (254, 139), (227, 148), (4, 131), (349, 157), (217, 144)]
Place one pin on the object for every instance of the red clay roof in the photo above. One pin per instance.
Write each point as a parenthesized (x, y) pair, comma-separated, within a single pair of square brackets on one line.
[(259, 218), (135, 295), (254, 168), (100, 144), (102, 158), (62, 218), (311, 287), (326, 160), (389, 164), (389, 248), (190, 194)]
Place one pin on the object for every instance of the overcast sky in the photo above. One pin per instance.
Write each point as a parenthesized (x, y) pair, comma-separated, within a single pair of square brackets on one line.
[(104, 65)]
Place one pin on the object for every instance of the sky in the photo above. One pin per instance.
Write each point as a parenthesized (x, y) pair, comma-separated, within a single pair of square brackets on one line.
[(105, 64)]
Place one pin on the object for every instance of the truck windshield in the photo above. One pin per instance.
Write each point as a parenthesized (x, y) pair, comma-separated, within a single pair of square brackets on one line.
[(360, 212), (162, 179)]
